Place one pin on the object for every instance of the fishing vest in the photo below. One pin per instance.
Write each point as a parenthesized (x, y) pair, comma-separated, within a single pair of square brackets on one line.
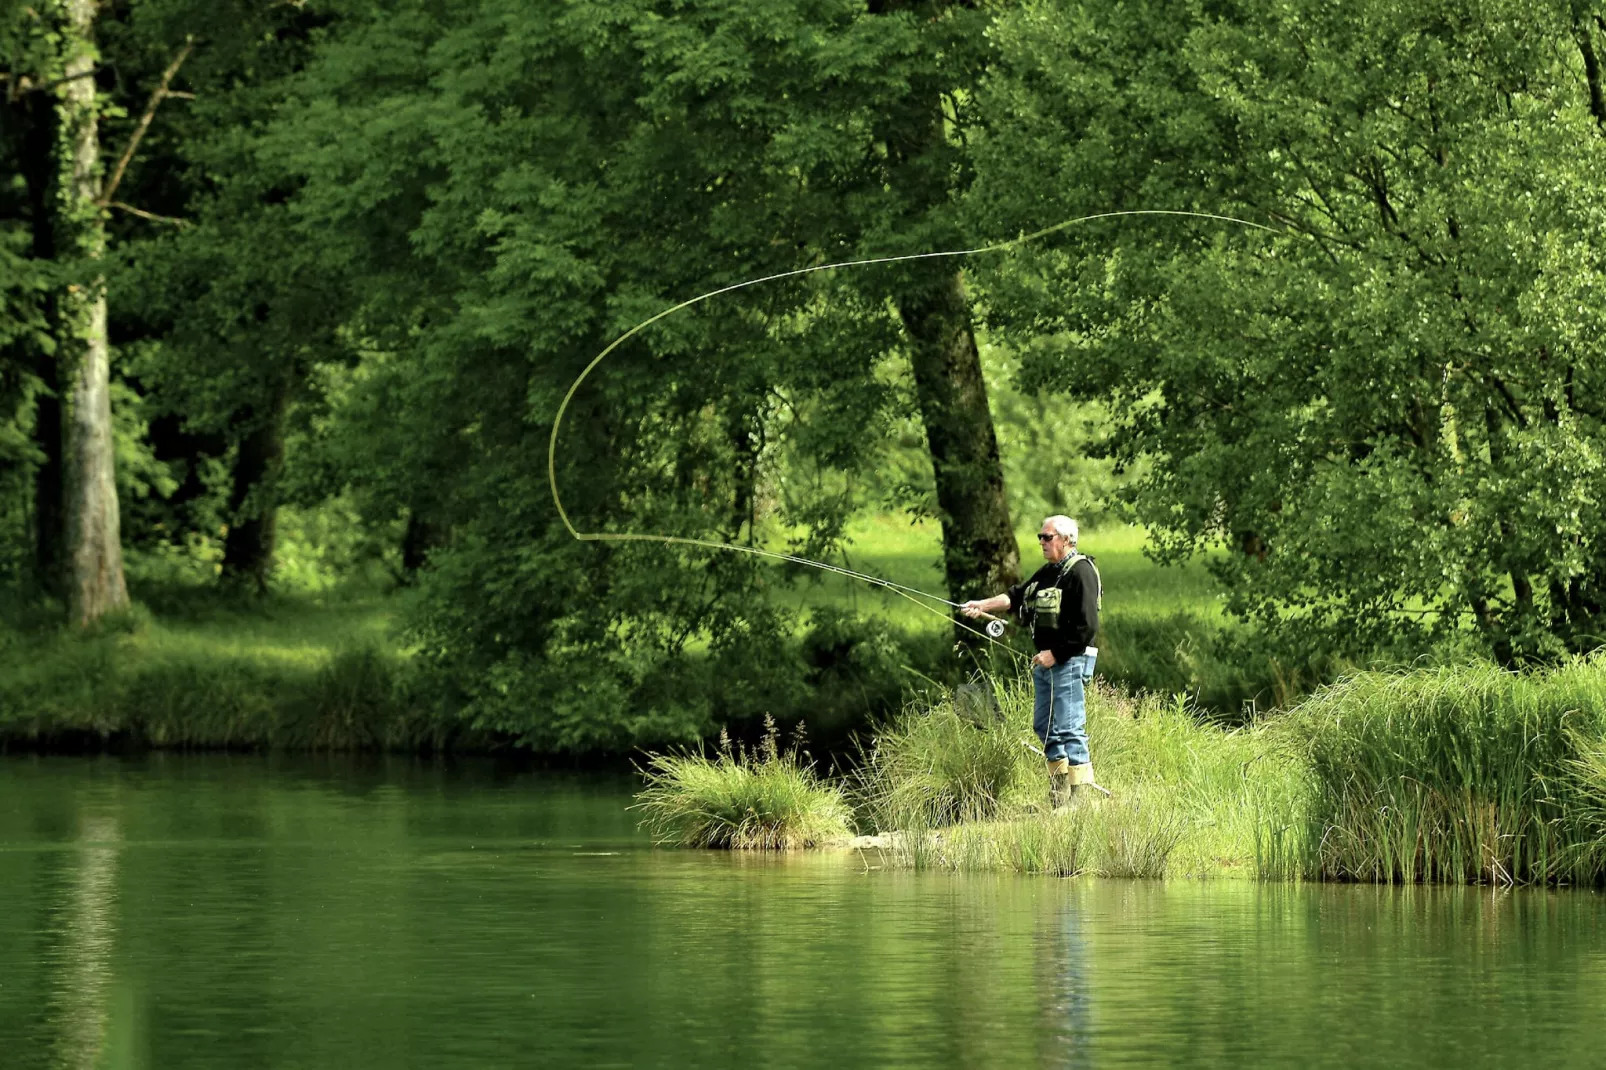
[(1040, 607)]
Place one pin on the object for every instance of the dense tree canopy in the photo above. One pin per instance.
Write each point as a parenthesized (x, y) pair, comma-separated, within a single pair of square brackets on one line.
[(356, 252), (1394, 407)]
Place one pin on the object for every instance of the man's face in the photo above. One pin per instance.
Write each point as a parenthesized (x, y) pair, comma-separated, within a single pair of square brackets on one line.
[(1055, 546)]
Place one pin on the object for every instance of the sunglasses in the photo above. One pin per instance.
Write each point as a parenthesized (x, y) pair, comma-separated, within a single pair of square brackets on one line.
[(1047, 538)]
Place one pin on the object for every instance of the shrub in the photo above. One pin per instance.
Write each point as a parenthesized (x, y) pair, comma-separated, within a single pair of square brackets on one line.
[(768, 798)]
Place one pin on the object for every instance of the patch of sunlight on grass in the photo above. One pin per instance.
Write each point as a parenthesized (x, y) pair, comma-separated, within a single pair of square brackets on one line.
[(302, 632), (894, 548)]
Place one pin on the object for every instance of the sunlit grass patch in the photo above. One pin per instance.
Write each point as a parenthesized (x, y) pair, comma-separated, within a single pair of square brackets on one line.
[(287, 673), (1126, 836), (766, 798)]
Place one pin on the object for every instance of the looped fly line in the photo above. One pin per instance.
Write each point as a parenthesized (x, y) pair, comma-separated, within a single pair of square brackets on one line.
[(910, 593)]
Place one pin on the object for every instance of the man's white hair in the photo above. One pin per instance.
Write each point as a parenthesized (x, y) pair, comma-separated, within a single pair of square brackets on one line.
[(1063, 525)]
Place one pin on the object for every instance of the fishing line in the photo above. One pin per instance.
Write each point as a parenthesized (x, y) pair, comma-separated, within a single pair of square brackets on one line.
[(911, 593)]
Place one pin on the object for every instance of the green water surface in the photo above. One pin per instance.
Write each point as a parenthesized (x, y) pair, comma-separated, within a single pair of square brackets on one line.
[(230, 911)]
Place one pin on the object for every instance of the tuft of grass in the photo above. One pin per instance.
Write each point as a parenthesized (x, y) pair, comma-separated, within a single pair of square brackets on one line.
[(1055, 844), (932, 767), (767, 798), (1458, 774), (1138, 836)]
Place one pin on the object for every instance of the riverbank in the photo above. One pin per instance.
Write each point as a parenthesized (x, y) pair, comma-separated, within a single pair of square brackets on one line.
[(202, 671), (1454, 775)]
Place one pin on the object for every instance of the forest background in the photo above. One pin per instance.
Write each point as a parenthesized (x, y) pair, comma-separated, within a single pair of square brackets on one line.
[(290, 294)]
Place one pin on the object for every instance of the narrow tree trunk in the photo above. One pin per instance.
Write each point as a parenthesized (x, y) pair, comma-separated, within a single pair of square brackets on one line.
[(978, 544), (418, 539), (1592, 76), (253, 500), (94, 554), (980, 556)]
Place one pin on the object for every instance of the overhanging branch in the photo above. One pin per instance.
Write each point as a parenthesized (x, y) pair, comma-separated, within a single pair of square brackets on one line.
[(144, 123), (152, 216)]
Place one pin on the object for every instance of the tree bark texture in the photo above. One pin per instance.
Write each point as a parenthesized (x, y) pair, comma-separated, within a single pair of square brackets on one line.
[(253, 499), (94, 557), (980, 556)]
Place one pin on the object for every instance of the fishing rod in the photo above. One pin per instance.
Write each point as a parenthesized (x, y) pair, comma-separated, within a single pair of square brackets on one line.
[(995, 625)]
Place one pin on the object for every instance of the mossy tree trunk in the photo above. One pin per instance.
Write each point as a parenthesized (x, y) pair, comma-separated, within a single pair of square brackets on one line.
[(923, 163), (980, 557), (93, 556)]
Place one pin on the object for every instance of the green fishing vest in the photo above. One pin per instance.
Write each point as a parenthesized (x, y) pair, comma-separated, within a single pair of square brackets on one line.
[(1041, 608)]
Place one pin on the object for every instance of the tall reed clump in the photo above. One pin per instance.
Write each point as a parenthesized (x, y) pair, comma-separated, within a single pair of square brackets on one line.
[(934, 766), (766, 798), (1187, 796), (1461, 774)]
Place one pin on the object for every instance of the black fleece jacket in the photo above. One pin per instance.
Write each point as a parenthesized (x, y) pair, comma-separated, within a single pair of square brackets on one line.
[(1061, 605)]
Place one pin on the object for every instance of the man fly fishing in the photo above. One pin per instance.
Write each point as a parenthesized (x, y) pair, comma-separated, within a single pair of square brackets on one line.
[(1060, 603)]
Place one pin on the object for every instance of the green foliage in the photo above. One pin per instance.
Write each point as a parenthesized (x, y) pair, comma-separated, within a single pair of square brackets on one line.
[(767, 799), (408, 226), (1388, 405), (1457, 774)]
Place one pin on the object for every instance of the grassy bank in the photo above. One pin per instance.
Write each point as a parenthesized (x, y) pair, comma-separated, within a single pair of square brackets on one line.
[(1458, 774), (204, 671), (1464, 774)]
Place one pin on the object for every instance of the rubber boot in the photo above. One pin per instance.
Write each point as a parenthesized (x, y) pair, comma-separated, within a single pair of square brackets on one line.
[(1059, 784), (1080, 784)]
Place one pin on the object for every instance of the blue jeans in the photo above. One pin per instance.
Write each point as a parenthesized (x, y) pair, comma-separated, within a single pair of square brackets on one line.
[(1059, 715)]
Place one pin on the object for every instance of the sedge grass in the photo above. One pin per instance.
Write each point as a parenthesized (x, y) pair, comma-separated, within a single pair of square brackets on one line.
[(1457, 774), (1188, 796), (932, 767), (766, 798)]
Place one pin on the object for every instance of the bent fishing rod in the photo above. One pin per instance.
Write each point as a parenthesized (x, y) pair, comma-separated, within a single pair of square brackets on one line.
[(995, 625)]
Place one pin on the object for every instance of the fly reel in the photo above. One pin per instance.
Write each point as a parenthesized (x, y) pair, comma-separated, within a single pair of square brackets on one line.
[(995, 628)]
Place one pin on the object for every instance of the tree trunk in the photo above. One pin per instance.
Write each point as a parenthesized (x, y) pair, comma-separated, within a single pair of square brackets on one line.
[(979, 554), (980, 557), (253, 500), (94, 552), (420, 538), (1592, 76)]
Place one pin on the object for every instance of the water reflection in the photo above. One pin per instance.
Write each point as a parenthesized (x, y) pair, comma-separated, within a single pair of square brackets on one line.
[(83, 977), (206, 913), (1068, 1001)]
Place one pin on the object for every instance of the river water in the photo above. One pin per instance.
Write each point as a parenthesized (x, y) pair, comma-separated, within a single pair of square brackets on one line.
[(232, 911)]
